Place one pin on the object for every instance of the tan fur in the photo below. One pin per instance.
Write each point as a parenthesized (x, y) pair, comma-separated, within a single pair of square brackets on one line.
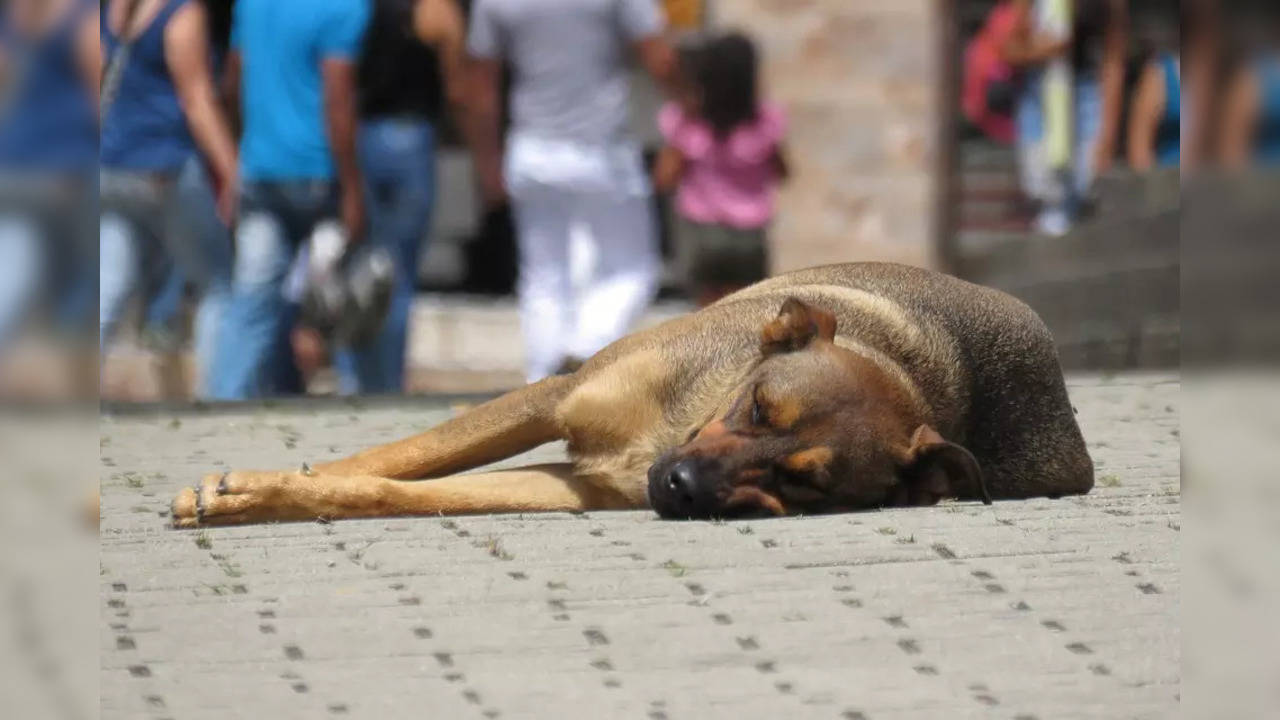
[(613, 422), (649, 392), (809, 460)]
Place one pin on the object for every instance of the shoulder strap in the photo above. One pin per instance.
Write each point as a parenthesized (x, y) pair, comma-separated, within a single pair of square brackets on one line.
[(119, 58)]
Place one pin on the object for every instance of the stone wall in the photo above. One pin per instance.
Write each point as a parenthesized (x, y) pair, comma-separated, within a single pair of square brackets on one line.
[(1109, 290), (859, 79)]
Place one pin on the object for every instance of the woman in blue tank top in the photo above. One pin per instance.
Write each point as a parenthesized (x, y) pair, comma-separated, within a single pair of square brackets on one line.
[(1155, 118), (158, 109), (49, 62)]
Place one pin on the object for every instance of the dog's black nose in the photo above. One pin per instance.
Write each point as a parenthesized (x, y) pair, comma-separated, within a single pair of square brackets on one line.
[(679, 491), (680, 482)]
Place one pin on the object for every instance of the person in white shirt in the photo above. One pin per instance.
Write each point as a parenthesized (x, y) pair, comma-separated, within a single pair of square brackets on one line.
[(569, 164)]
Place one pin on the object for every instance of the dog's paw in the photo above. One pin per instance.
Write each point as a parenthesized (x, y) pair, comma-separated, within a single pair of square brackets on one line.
[(233, 498)]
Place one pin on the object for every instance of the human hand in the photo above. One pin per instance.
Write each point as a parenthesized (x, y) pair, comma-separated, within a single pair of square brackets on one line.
[(353, 213)]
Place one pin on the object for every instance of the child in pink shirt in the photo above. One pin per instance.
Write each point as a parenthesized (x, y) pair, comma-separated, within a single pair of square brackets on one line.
[(724, 159)]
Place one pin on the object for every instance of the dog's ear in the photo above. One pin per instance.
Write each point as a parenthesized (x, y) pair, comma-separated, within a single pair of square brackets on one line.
[(797, 324), (935, 468)]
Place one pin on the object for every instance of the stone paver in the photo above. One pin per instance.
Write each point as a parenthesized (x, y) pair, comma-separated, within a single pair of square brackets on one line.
[(1037, 609)]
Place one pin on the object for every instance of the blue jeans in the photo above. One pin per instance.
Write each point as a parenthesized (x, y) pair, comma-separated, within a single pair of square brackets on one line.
[(22, 263), (165, 305), (255, 359), (154, 245), (203, 256), (397, 158), (1061, 194), (48, 251), (136, 217)]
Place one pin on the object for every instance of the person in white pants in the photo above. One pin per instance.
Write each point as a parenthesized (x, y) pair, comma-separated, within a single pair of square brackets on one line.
[(570, 168)]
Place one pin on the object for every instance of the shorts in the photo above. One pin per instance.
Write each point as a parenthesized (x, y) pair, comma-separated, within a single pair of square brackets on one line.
[(719, 256)]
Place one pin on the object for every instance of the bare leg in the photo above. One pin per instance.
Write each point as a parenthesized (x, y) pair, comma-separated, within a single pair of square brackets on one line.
[(254, 497), (518, 421)]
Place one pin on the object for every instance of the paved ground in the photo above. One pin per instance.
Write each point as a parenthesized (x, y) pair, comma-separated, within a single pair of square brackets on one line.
[(1038, 609)]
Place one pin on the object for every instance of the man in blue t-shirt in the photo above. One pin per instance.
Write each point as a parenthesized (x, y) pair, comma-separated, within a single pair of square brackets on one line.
[(293, 65)]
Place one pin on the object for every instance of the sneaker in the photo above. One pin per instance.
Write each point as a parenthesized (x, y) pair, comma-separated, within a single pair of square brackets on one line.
[(1053, 223)]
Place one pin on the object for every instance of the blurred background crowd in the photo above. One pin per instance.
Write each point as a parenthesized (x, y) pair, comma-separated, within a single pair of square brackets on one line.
[(314, 195)]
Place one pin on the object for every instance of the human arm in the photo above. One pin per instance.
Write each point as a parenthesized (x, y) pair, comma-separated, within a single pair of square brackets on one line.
[(1024, 47), (340, 114), (658, 59), (186, 47), (642, 24), (667, 169), (439, 24), (339, 49), (89, 58), (230, 85), (484, 132), (483, 125)]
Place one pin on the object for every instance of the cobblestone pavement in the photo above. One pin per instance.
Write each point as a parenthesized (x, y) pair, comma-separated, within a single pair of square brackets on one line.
[(1035, 609)]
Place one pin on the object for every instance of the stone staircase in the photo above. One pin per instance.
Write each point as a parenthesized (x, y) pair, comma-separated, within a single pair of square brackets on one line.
[(1109, 290)]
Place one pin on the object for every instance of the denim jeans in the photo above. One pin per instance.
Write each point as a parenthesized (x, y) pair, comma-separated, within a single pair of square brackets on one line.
[(135, 220), (22, 262), (397, 157), (48, 252), (1061, 193), (203, 257), (164, 307), (255, 359), (152, 244)]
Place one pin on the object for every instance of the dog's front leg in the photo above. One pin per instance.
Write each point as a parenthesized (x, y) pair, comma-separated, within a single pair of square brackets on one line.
[(505, 426), (252, 497)]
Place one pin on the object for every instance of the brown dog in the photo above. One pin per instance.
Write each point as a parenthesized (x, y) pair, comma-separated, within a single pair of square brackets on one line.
[(824, 390)]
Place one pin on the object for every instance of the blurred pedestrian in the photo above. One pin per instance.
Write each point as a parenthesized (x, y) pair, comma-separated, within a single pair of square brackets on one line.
[(160, 111), (724, 158), (411, 64), (991, 84), (1079, 57), (570, 164), (49, 74), (1249, 127), (292, 68), (1200, 80), (1155, 115)]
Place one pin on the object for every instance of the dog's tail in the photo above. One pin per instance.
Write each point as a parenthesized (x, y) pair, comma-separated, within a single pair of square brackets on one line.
[(508, 425)]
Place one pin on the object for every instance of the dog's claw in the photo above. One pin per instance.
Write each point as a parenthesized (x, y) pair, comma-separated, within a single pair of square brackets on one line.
[(222, 485)]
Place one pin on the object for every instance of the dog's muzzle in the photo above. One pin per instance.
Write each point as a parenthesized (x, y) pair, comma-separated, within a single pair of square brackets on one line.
[(679, 489)]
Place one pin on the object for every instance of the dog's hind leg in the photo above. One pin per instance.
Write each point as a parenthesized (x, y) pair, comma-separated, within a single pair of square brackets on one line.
[(513, 423), (253, 497)]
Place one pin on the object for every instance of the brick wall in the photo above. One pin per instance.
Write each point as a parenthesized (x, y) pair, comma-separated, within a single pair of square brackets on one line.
[(859, 79)]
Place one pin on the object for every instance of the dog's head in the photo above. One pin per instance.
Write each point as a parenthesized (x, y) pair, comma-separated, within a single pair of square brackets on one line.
[(815, 428)]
